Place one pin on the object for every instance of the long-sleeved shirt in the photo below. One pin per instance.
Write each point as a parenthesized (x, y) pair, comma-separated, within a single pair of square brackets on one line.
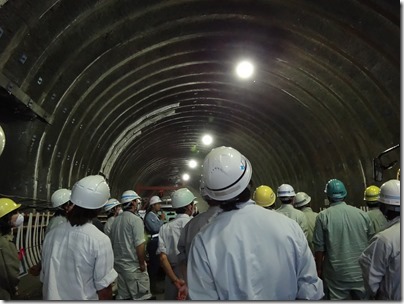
[(381, 263), (191, 229), (77, 261), (377, 219), (9, 267), (311, 222), (296, 215), (152, 223), (54, 222), (342, 232), (252, 254)]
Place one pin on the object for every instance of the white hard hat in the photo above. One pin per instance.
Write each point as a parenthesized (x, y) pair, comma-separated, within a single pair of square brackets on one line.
[(2, 140), (302, 199), (285, 191), (154, 200), (112, 202), (60, 197), (226, 173), (128, 196), (390, 194), (91, 192), (181, 198)]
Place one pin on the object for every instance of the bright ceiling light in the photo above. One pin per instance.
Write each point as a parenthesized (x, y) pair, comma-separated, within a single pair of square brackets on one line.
[(192, 163), (207, 139), (245, 69), (185, 177)]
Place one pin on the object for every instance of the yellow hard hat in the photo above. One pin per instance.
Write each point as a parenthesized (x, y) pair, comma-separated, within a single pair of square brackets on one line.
[(372, 194), (264, 196), (7, 205)]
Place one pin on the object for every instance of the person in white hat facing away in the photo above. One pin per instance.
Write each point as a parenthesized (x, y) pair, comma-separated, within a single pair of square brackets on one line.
[(61, 202), (112, 208), (128, 243), (381, 261), (182, 201), (77, 258), (247, 252), (302, 203), (152, 222)]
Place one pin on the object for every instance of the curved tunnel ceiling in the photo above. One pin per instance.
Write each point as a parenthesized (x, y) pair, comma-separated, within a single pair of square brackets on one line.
[(128, 88)]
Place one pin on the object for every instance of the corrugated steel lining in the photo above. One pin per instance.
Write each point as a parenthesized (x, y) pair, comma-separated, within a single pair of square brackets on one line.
[(326, 93)]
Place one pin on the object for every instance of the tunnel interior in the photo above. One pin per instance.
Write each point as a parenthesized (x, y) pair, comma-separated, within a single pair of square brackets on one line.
[(128, 88)]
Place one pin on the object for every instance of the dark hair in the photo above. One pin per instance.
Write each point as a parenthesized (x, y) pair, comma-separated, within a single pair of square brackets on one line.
[(182, 209), (58, 212), (287, 201), (79, 216), (241, 198), (5, 226)]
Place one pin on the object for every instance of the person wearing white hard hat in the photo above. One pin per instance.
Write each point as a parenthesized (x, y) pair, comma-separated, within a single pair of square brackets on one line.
[(183, 202), (128, 242), (193, 227), (242, 253), (9, 262), (61, 202), (340, 235), (286, 195), (77, 258), (381, 260), (112, 208), (152, 222), (302, 203)]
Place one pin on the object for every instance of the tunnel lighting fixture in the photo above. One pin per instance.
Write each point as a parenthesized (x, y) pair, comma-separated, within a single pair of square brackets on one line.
[(244, 69), (207, 140), (185, 177), (192, 163)]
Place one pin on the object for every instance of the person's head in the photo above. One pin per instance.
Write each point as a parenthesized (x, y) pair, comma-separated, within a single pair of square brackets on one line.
[(130, 200), (264, 196), (205, 195), (286, 194), (88, 196), (182, 201), (155, 203), (302, 200), (335, 190), (112, 207), (371, 196), (61, 201), (227, 175), (9, 215), (390, 198)]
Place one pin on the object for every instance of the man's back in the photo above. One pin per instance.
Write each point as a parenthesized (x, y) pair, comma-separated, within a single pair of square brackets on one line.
[(342, 231), (311, 222), (377, 218), (296, 215), (76, 262), (252, 254), (127, 232)]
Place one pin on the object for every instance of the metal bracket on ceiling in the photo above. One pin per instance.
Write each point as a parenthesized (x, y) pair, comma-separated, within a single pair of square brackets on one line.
[(21, 96)]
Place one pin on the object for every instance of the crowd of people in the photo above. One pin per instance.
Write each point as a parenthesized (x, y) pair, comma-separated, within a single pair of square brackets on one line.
[(289, 253)]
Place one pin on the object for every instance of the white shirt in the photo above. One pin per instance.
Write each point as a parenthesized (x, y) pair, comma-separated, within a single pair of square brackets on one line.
[(54, 222), (252, 254), (127, 232), (76, 262), (108, 225), (192, 228), (169, 235), (381, 265)]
